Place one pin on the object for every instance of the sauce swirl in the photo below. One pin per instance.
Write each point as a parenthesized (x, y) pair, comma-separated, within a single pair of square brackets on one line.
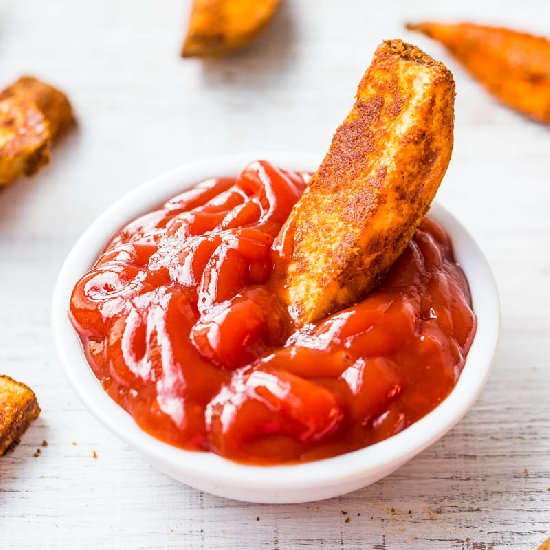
[(180, 322)]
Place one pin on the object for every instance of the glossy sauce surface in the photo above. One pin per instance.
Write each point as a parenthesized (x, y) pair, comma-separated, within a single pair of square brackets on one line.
[(180, 323)]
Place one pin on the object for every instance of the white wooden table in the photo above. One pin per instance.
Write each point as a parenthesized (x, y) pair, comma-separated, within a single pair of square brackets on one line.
[(144, 110)]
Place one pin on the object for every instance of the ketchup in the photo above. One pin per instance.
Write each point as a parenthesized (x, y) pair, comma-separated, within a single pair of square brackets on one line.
[(180, 322)]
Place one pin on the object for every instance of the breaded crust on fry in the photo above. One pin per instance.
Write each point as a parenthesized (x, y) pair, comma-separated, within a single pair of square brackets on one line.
[(374, 186), (18, 408), (513, 66), (53, 103), (217, 27), (24, 139)]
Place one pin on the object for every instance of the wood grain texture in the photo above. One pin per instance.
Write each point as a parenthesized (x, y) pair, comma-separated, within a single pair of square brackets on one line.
[(143, 110)]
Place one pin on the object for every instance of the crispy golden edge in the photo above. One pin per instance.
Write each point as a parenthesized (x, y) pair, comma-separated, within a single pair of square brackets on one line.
[(375, 184), (513, 66), (53, 103), (218, 27), (18, 408), (24, 139)]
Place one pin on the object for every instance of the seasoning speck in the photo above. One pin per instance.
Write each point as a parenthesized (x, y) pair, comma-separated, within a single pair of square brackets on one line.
[(37, 453), (526, 471), (73, 443), (344, 512), (257, 518), (94, 454), (347, 520), (44, 443)]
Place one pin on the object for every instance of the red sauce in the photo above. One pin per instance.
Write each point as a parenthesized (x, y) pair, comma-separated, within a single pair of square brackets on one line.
[(180, 325)]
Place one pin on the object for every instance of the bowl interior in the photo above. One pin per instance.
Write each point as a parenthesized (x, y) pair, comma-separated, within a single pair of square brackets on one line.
[(335, 471)]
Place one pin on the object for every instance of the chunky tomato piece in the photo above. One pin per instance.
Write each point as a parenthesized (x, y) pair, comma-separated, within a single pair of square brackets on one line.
[(261, 402)]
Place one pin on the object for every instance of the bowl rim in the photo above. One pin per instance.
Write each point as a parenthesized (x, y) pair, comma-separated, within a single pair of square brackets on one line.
[(387, 454)]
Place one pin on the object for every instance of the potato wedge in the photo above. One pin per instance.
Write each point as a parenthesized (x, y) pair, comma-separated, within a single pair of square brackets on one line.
[(513, 66), (24, 139), (53, 103), (218, 27), (18, 408), (374, 186)]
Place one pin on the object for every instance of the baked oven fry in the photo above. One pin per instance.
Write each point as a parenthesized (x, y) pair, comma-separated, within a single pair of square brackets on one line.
[(53, 103), (513, 66), (218, 27), (32, 115), (24, 139), (374, 186), (18, 408)]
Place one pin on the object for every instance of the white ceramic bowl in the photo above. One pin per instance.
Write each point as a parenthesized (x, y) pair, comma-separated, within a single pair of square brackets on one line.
[(294, 483)]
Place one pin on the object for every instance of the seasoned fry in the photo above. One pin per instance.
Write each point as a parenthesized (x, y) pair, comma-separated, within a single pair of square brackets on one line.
[(24, 139), (513, 66), (217, 27), (18, 408), (32, 114), (53, 103), (375, 184)]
